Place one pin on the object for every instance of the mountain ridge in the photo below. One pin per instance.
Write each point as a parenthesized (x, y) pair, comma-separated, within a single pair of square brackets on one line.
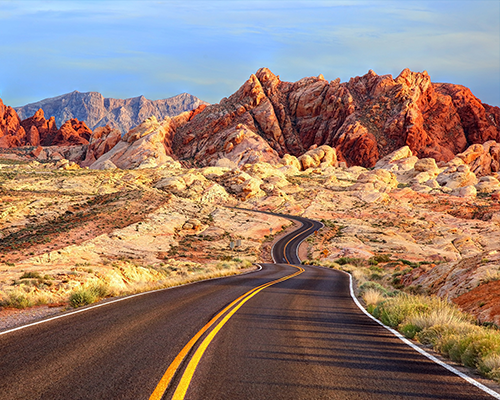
[(98, 111)]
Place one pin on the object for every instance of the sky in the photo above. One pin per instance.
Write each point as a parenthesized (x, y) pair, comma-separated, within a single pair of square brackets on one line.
[(210, 48)]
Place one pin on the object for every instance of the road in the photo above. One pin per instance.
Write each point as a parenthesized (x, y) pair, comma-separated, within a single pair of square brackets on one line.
[(285, 332)]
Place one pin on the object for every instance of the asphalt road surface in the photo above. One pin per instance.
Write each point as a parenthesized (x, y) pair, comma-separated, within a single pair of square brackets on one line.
[(284, 332)]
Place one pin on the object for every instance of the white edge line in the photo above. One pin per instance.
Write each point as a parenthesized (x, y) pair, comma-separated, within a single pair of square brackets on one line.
[(120, 299), (472, 381), (272, 252), (297, 249)]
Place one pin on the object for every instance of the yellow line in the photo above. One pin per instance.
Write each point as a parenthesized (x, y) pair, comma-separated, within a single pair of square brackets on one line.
[(171, 370), (182, 388)]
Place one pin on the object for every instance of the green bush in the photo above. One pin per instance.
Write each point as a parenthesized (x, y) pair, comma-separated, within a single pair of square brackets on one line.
[(31, 275), (351, 260), (381, 258), (85, 296), (372, 285), (410, 330)]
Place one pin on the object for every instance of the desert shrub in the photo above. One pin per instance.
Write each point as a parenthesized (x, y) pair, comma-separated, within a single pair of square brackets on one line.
[(84, 296), (369, 285), (358, 275), (410, 330), (409, 263), (490, 366), (31, 275), (381, 258), (358, 262), (16, 299), (376, 277), (245, 263), (394, 311)]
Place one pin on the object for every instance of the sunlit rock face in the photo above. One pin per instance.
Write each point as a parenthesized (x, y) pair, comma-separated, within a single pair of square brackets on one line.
[(363, 119)]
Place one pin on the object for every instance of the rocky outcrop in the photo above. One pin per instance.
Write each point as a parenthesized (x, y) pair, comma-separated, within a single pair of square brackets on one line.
[(147, 145), (40, 131), (102, 140), (364, 119), (362, 122), (323, 156), (482, 159), (12, 134), (73, 132), (98, 111)]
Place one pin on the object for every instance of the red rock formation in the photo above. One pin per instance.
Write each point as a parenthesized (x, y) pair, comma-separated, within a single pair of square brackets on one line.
[(36, 130), (364, 119), (12, 134), (73, 132), (39, 129)]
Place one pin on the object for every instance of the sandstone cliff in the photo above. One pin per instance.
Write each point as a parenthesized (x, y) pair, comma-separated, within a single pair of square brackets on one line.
[(364, 119), (98, 111)]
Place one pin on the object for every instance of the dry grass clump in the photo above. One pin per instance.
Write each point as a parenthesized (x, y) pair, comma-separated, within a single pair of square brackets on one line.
[(373, 297), (24, 296), (83, 286), (436, 322), (127, 278)]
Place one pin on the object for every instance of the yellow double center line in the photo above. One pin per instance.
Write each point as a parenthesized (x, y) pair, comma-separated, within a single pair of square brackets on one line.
[(287, 243), (183, 385)]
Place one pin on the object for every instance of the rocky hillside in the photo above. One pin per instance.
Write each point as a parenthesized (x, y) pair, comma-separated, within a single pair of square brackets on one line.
[(439, 226), (364, 119), (98, 111)]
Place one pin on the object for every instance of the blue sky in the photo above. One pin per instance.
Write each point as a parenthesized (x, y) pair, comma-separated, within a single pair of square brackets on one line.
[(209, 48)]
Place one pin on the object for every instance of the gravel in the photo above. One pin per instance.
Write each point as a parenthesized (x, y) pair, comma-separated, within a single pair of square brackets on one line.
[(12, 317)]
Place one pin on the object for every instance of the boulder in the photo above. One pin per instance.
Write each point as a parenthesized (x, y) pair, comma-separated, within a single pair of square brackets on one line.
[(487, 184), (457, 177), (288, 159), (322, 155), (465, 191), (426, 165)]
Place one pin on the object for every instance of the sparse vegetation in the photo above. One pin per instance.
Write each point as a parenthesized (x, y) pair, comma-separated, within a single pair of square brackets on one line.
[(437, 323), (88, 295)]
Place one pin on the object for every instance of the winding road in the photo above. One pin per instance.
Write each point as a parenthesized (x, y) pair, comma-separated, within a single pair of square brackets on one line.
[(283, 332)]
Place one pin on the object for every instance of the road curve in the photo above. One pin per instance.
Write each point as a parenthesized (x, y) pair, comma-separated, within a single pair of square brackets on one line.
[(285, 250), (285, 333)]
